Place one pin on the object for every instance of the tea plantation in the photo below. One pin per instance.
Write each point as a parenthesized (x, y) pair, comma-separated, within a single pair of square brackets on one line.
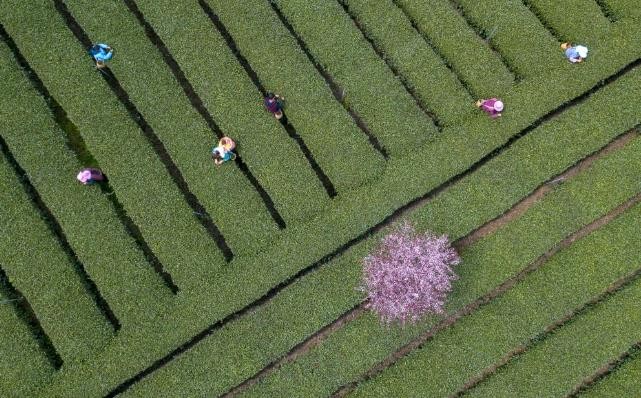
[(180, 278)]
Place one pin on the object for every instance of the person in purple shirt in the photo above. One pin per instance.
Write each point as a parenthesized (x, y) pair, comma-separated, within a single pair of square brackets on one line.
[(273, 103), (492, 106), (90, 176)]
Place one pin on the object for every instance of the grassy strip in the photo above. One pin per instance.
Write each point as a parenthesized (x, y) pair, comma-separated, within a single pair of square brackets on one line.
[(157, 94), (623, 8), (568, 355), (282, 167), (86, 216), (23, 364), (423, 68), (480, 70), (214, 355), (312, 247), (335, 141), (36, 265), (359, 345), (572, 20), (371, 88), (177, 240), (517, 34), (623, 381)]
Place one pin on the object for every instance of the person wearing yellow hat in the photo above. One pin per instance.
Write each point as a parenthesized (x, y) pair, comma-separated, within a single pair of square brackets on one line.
[(575, 53), (224, 151), (491, 106)]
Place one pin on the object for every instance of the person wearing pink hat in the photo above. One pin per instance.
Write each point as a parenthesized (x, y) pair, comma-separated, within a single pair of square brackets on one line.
[(90, 176), (492, 106)]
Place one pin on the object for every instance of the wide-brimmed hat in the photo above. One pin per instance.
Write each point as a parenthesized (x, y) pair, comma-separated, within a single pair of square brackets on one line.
[(582, 50), (498, 106), (227, 143)]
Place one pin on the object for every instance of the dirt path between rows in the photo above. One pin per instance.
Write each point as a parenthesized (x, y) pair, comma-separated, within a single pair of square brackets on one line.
[(606, 370), (549, 330)]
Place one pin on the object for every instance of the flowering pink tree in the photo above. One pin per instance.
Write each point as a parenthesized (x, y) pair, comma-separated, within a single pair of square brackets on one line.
[(409, 275)]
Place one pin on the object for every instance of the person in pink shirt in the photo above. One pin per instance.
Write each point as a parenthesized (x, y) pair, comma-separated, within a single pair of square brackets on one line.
[(492, 106)]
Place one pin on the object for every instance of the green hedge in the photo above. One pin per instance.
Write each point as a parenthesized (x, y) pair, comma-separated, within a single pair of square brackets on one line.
[(450, 153), (140, 69), (360, 344), (425, 71), (275, 159), (470, 56), (87, 218), (554, 366), (517, 34), (372, 90), (338, 146), (573, 20), (492, 190), (23, 365), (624, 8), (117, 143), (36, 265), (352, 213), (238, 351)]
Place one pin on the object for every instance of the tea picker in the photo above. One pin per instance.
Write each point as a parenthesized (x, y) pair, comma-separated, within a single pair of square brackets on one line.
[(90, 176), (274, 104), (224, 151), (575, 53), (492, 106), (100, 53)]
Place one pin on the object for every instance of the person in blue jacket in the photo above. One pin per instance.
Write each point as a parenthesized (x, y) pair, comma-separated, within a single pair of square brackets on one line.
[(101, 53)]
